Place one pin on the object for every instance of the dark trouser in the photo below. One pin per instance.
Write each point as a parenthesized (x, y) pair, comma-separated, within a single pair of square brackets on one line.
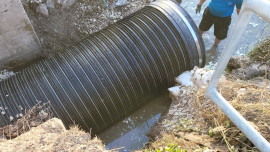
[(221, 24)]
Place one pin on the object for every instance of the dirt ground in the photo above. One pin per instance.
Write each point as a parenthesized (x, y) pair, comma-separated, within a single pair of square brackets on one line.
[(61, 23), (38, 131), (257, 63), (195, 123), (192, 123), (52, 136), (191, 116)]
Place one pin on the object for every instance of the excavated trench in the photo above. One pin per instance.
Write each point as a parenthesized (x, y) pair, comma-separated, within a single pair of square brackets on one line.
[(119, 69), (100, 80)]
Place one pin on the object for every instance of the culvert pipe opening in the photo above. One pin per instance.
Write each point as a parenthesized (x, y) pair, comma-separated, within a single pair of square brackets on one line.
[(100, 80)]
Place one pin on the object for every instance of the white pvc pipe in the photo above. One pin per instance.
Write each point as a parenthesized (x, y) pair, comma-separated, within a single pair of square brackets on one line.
[(237, 32), (252, 134), (261, 8)]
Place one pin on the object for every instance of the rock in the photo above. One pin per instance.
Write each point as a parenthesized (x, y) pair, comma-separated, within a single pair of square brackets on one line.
[(3, 112), (4, 74), (11, 118), (66, 3), (252, 71), (35, 1), (238, 62), (184, 79), (202, 77), (260, 81), (42, 8), (43, 114), (218, 129), (50, 3), (121, 3), (33, 124), (242, 68), (174, 91), (59, 2), (241, 91)]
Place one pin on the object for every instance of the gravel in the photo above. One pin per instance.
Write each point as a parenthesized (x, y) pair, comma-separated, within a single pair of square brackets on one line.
[(61, 23)]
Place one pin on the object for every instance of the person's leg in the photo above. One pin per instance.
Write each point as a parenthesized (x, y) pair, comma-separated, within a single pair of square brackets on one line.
[(206, 22), (217, 41), (221, 27), (201, 32)]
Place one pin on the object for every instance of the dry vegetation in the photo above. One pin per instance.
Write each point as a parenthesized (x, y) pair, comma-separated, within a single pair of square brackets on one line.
[(195, 123), (251, 100), (33, 117), (52, 136), (205, 127), (38, 131), (261, 52)]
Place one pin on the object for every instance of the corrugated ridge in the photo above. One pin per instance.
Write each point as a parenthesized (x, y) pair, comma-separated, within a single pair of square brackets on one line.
[(101, 79)]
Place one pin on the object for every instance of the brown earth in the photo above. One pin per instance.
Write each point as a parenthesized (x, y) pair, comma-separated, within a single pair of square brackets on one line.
[(256, 64), (191, 113), (192, 116), (60, 23), (52, 136)]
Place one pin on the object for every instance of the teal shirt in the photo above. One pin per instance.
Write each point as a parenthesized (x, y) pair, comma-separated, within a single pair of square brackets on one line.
[(224, 8)]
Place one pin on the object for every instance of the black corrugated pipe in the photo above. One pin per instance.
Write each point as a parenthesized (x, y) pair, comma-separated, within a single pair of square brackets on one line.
[(100, 80)]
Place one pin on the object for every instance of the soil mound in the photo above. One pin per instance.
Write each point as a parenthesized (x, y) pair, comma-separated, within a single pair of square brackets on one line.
[(52, 136)]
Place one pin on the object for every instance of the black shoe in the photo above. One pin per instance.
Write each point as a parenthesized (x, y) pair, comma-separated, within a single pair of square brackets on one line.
[(212, 54), (179, 1)]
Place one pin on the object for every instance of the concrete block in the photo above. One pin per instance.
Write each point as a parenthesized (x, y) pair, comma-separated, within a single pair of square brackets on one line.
[(18, 41)]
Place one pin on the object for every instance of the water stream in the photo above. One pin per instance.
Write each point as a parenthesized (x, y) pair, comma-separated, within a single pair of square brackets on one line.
[(257, 30), (129, 134)]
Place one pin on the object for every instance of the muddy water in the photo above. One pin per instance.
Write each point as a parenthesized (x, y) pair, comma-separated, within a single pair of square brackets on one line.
[(257, 30), (130, 132)]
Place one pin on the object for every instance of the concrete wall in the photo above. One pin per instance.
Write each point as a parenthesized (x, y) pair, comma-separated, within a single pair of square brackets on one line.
[(18, 41)]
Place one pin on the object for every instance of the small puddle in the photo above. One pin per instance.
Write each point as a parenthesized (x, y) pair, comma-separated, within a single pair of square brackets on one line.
[(130, 133)]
